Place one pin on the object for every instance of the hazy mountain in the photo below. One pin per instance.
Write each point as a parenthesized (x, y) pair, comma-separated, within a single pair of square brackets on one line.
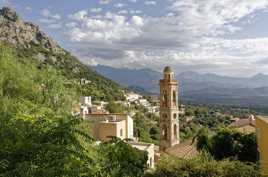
[(195, 87), (142, 78), (30, 45)]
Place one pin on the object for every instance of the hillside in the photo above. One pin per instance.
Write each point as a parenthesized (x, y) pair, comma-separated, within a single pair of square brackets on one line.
[(198, 88), (30, 45)]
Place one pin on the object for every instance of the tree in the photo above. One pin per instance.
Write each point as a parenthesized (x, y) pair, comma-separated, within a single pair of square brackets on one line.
[(39, 136), (113, 107), (226, 143), (119, 159), (202, 166), (203, 141)]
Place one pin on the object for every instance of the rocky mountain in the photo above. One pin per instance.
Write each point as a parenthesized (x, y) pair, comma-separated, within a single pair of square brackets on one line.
[(24, 34), (198, 88), (30, 44)]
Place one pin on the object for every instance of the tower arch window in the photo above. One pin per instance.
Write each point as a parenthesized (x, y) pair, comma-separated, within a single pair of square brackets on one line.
[(164, 116), (164, 132), (175, 116), (174, 96), (121, 132), (164, 98), (175, 130)]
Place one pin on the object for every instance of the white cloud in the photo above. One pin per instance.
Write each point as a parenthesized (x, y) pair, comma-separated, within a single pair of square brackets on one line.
[(210, 17), (135, 12), (133, 1), (122, 12), (28, 8), (191, 36), (107, 28), (50, 20), (119, 5), (55, 26), (104, 1), (96, 10), (137, 20), (47, 14), (150, 2)]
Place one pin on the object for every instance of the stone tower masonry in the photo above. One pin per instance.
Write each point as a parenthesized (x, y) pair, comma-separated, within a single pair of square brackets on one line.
[(169, 112)]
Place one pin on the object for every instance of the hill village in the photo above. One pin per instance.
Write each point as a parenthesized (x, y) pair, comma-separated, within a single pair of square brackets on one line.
[(39, 137), (105, 125)]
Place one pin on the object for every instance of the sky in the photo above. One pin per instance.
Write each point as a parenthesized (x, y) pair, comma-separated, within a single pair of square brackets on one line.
[(226, 37)]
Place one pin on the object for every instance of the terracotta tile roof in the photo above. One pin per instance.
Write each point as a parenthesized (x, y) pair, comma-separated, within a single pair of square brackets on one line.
[(242, 123), (186, 150)]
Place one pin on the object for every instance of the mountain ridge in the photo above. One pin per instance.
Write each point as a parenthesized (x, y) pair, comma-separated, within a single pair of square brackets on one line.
[(30, 44), (199, 88)]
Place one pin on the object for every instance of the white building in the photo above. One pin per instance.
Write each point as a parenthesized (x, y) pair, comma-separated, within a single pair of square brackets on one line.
[(86, 101), (144, 102), (132, 97), (147, 147)]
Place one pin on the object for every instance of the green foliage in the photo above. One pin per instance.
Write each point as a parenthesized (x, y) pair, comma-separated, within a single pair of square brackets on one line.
[(208, 116), (113, 107), (119, 159), (39, 136), (203, 166), (73, 70), (146, 129), (203, 141), (228, 143)]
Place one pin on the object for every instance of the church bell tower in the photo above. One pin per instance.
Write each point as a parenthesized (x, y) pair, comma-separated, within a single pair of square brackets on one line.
[(169, 112)]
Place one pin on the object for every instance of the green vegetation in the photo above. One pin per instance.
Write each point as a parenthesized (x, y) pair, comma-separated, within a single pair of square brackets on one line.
[(203, 166), (227, 143), (120, 159), (211, 117), (113, 107), (39, 135), (72, 69), (146, 128)]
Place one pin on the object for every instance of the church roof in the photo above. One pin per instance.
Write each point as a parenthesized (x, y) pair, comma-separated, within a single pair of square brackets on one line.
[(185, 150)]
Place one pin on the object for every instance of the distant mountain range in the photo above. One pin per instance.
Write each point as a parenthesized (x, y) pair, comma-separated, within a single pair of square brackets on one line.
[(198, 88)]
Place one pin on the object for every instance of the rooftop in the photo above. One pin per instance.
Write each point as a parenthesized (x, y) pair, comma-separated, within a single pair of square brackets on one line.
[(243, 122), (263, 118), (141, 145), (186, 150)]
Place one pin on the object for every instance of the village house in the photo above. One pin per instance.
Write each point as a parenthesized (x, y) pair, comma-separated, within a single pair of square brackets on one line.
[(262, 132), (107, 125), (246, 125), (132, 97)]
